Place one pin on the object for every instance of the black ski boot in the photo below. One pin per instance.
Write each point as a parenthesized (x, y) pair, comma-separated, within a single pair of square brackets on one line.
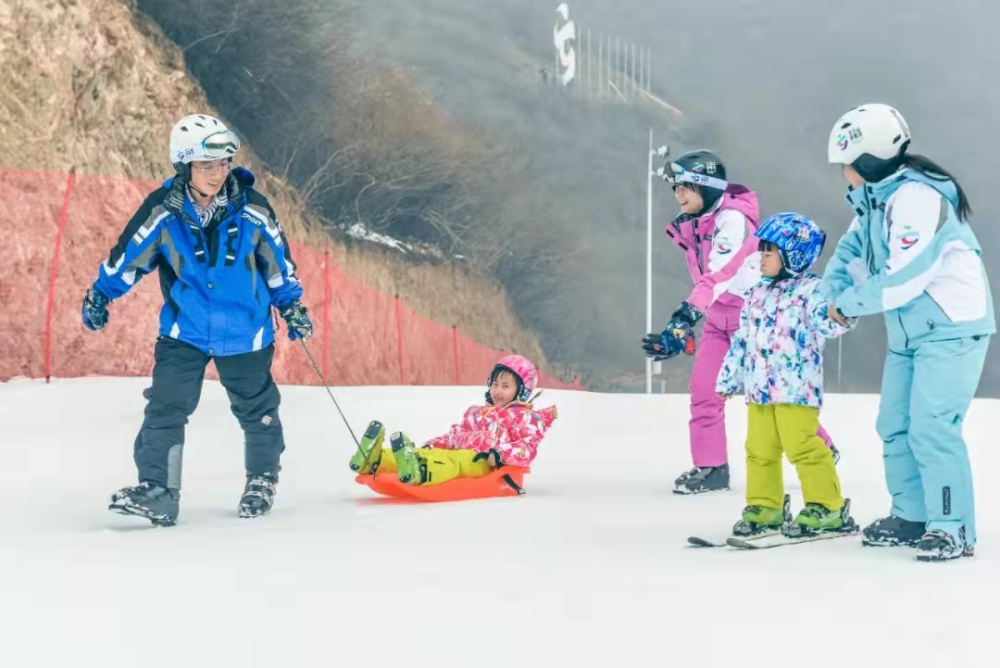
[(258, 495), (157, 504), (703, 479), (892, 531), (938, 545)]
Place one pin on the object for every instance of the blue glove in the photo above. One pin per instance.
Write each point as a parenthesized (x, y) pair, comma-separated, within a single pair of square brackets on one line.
[(685, 314), (677, 338), (297, 317), (95, 309), (669, 343)]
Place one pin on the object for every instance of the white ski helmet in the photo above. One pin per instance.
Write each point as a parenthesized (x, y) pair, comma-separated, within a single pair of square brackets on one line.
[(871, 138), (200, 137)]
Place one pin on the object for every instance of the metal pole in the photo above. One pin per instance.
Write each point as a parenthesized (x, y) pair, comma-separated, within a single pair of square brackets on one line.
[(629, 67), (632, 78), (642, 67), (649, 68), (649, 259), (618, 61), (637, 58), (625, 80), (600, 63), (590, 66)]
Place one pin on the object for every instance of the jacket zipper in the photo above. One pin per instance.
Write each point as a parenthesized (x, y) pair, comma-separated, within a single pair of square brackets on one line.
[(200, 232), (870, 252), (697, 244)]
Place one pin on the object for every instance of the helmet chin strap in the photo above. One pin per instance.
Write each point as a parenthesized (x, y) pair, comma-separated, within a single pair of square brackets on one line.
[(197, 190)]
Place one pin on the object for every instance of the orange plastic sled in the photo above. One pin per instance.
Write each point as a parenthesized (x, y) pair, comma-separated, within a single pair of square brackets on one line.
[(505, 481)]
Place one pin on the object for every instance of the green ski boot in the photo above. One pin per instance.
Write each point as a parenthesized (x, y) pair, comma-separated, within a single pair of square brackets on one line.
[(762, 519), (410, 468), (816, 518), (368, 456)]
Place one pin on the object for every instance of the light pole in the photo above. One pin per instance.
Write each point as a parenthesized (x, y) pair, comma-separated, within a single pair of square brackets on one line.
[(661, 152)]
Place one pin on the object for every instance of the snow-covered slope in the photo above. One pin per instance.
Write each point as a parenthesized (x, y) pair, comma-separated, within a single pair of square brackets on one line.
[(589, 568)]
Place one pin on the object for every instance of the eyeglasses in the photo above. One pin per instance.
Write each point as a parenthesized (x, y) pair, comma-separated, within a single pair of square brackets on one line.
[(213, 167)]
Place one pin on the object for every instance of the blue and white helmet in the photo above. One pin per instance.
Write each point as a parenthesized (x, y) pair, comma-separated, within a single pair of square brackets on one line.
[(799, 240), (200, 137)]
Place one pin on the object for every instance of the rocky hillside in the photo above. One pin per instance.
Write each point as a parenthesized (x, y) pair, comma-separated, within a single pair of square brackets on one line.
[(88, 84)]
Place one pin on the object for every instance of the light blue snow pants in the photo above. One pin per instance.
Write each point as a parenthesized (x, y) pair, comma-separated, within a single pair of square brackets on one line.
[(926, 392)]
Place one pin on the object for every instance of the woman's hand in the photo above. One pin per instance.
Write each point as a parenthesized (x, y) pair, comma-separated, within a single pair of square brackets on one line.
[(837, 316)]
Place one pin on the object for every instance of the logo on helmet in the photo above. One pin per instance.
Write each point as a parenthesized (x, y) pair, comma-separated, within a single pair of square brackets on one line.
[(842, 142), (803, 234)]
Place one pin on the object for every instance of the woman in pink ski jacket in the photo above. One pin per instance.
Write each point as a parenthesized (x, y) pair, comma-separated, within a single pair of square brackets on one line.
[(715, 230)]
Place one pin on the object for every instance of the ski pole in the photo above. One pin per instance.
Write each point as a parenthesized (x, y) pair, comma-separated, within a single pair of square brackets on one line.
[(328, 391)]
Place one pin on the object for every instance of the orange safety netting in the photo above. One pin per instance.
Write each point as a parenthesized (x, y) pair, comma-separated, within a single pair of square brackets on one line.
[(61, 226)]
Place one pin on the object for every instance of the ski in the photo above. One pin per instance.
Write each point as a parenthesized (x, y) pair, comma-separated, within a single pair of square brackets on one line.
[(721, 541), (749, 533), (781, 540), (696, 541)]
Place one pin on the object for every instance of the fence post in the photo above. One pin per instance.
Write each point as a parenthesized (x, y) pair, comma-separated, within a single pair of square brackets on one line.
[(454, 347), (326, 308), (54, 272), (399, 341)]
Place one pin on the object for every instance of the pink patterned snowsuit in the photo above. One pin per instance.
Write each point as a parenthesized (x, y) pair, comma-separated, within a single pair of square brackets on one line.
[(721, 253), (514, 431)]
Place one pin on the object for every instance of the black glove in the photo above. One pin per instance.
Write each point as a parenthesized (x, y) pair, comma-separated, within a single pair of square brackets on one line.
[(687, 314), (297, 317), (491, 456), (677, 338), (95, 309)]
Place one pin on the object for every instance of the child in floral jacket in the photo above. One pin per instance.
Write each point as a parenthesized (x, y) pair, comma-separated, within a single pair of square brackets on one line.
[(504, 432), (776, 357)]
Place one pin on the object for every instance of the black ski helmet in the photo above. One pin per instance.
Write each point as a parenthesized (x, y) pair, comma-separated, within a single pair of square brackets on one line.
[(702, 170)]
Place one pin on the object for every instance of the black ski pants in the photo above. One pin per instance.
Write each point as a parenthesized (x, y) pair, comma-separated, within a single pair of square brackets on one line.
[(178, 375)]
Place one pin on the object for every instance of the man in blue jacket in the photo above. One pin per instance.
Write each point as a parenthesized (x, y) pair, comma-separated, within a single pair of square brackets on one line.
[(223, 262)]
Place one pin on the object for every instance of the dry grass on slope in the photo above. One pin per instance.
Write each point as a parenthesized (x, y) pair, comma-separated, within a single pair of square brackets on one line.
[(86, 84)]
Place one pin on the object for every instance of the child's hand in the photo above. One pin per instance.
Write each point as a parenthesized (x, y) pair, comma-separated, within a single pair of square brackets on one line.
[(837, 316), (491, 456), (724, 397)]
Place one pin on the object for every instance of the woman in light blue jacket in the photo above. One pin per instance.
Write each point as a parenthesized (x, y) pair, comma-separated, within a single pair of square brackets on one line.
[(911, 254)]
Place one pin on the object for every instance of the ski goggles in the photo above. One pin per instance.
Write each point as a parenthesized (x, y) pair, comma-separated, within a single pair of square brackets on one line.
[(675, 175), (220, 145)]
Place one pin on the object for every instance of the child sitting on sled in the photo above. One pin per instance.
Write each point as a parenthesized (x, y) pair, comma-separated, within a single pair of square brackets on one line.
[(504, 432), (777, 356)]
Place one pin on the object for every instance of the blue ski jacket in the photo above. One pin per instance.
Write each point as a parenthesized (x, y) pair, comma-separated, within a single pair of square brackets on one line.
[(908, 255), (219, 281)]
